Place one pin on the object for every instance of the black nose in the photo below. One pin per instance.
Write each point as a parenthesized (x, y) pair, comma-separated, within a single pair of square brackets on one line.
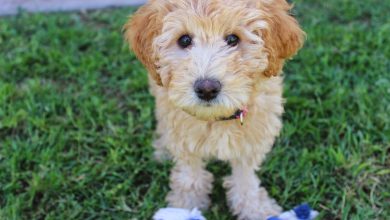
[(207, 89)]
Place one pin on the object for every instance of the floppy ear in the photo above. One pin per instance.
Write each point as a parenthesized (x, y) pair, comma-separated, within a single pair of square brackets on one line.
[(283, 37), (140, 31)]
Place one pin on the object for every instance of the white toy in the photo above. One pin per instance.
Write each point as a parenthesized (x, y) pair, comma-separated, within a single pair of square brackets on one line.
[(178, 214), (301, 212)]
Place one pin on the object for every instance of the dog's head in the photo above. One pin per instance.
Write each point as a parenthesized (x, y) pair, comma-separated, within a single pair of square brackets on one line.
[(210, 54)]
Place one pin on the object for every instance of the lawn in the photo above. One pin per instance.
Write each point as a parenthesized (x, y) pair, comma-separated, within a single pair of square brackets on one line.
[(76, 119)]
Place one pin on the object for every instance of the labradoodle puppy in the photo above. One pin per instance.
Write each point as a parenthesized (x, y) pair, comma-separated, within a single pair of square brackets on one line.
[(215, 71)]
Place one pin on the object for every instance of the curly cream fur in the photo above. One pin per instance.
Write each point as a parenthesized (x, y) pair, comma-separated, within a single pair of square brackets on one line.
[(188, 129)]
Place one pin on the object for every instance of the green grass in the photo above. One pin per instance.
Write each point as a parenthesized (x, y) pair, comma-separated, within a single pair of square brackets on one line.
[(76, 119)]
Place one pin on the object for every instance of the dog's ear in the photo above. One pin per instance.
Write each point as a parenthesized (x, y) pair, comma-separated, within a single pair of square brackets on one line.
[(283, 37), (140, 31)]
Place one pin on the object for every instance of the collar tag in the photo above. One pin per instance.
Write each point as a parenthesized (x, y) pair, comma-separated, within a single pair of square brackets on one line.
[(242, 115), (238, 115), (242, 118)]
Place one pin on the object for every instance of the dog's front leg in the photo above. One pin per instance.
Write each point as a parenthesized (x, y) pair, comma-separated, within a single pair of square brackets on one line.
[(246, 198), (190, 184)]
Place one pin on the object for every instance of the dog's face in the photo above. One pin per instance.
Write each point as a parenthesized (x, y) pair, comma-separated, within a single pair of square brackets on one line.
[(210, 54)]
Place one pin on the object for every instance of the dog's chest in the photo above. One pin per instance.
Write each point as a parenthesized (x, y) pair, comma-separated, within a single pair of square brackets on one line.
[(225, 140)]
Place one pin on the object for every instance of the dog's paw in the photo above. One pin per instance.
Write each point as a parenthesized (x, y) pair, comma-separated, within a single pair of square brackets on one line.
[(254, 212), (254, 206), (190, 189), (188, 200)]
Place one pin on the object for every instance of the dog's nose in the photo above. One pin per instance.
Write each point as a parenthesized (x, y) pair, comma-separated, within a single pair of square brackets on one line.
[(207, 89)]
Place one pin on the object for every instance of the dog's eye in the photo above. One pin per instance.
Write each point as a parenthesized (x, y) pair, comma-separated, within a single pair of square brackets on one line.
[(184, 41), (232, 40)]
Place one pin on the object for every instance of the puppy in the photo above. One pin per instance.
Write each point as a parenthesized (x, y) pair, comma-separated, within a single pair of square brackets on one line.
[(214, 68)]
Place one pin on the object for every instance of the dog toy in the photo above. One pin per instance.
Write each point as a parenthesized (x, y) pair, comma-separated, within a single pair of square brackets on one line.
[(178, 214), (301, 212)]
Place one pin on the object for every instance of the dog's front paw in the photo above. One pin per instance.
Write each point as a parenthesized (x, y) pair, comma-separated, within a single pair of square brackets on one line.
[(251, 203), (188, 200), (257, 211)]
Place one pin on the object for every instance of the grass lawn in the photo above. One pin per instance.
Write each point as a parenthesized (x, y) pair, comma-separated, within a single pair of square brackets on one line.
[(76, 119)]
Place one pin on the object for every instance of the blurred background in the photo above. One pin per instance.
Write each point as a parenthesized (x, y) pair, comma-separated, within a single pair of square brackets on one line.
[(11, 7), (76, 118)]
